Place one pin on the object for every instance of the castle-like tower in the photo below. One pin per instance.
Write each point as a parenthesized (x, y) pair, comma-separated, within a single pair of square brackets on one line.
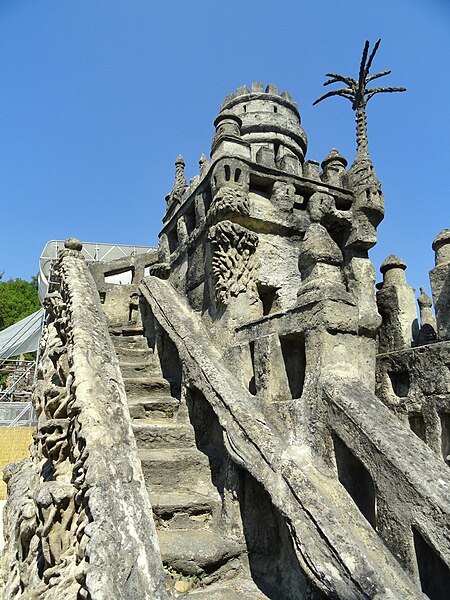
[(248, 418)]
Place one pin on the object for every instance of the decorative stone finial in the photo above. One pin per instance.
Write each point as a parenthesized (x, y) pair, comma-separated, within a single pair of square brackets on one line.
[(334, 156), (392, 262), (180, 185), (73, 244), (427, 321), (424, 300), (393, 269), (441, 246), (203, 164)]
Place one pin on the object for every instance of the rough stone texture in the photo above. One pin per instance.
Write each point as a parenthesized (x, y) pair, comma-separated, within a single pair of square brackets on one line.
[(290, 433), (330, 558), (397, 306), (440, 283), (79, 505)]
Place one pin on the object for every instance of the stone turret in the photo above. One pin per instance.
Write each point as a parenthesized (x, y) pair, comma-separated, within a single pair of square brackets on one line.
[(333, 167), (270, 124), (397, 306), (427, 321), (180, 185), (440, 283)]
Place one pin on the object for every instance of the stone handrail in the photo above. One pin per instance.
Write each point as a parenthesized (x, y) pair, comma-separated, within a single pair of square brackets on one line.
[(334, 544), (79, 504), (397, 461)]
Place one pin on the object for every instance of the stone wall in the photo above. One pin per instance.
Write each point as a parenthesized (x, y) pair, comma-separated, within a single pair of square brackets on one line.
[(78, 522)]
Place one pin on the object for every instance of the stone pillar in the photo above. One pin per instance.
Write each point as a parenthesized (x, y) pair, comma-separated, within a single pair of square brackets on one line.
[(440, 284), (163, 249), (182, 231), (397, 305), (427, 321), (200, 215)]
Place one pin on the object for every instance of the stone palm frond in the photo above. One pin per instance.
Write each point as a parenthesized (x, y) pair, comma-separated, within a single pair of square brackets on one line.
[(357, 92)]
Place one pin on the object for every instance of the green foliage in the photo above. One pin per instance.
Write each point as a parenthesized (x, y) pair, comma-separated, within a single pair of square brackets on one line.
[(18, 299)]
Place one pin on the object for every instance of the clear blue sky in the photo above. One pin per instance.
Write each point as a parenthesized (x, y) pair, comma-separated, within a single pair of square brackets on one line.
[(98, 97)]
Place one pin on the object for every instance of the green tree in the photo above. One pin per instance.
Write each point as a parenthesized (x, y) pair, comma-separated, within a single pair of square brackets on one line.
[(18, 299)]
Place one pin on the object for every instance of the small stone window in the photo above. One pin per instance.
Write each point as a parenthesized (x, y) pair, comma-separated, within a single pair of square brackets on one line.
[(400, 383), (237, 175), (252, 382), (356, 479), (294, 357), (417, 425), (122, 278), (227, 172), (445, 436), (433, 572), (189, 219), (342, 204), (268, 296), (173, 240)]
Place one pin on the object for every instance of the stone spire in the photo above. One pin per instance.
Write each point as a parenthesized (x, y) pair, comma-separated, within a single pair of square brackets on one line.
[(203, 164), (180, 185)]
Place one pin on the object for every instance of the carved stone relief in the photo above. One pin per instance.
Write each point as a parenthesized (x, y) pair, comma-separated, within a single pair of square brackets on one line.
[(233, 260)]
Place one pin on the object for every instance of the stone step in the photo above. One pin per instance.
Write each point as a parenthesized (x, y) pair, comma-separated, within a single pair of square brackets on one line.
[(158, 407), (140, 369), (152, 433), (235, 589), (184, 510), (194, 553), (175, 470), (139, 354), (138, 387), (129, 341)]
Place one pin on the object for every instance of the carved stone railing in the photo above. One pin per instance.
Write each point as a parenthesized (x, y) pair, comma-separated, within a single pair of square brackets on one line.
[(78, 519), (335, 546), (411, 484)]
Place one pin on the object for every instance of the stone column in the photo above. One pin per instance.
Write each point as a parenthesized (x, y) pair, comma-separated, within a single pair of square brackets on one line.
[(440, 284), (427, 321), (182, 231), (397, 305)]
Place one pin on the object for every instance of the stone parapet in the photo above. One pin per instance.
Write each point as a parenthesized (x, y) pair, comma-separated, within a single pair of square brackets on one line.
[(78, 518)]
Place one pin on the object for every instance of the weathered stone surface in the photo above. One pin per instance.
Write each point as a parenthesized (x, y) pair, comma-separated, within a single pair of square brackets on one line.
[(285, 467), (440, 283), (397, 306), (228, 417), (80, 502)]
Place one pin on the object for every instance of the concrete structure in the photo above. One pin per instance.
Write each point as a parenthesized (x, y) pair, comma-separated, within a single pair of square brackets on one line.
[(226, 426)]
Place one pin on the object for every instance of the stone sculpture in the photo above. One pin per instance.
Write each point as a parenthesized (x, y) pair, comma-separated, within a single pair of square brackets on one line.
[(252, 419)]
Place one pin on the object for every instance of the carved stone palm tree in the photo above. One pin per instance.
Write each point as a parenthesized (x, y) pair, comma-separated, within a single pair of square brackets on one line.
[(359, 94)]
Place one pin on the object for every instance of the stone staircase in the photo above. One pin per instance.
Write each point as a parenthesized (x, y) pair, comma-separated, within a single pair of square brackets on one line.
[(198, 556)]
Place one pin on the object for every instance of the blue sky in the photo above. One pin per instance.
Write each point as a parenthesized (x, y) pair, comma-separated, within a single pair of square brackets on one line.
[(98, 97)]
